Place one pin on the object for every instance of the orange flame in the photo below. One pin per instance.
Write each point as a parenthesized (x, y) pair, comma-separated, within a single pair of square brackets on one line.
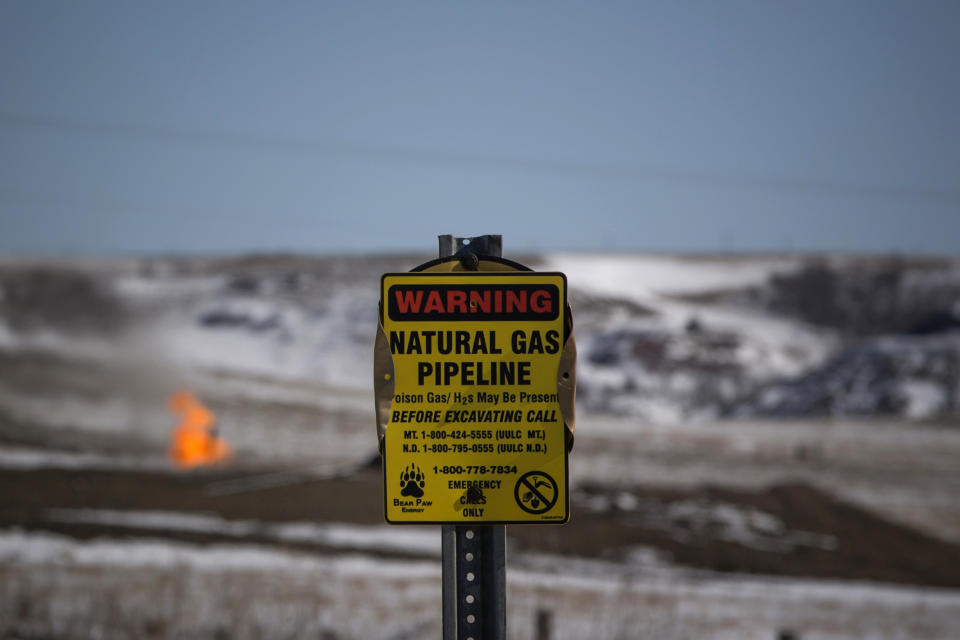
[(195, 440)]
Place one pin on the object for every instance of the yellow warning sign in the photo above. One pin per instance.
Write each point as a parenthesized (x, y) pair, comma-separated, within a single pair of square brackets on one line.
[(475, 431)]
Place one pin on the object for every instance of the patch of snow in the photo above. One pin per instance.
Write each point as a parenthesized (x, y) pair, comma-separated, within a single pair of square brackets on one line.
[(138, 287), (924, 398), (248, 591), (642, 277), (625, 501), (33, 548), (100, 415), (745, 526), (26, 459), (48, 341), (401, 539)]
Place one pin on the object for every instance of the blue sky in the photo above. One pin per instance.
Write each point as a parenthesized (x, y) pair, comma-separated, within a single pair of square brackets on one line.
[(350, 127)]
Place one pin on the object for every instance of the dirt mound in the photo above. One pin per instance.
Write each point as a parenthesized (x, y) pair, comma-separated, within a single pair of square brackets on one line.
[(785, 530), (790, 530)]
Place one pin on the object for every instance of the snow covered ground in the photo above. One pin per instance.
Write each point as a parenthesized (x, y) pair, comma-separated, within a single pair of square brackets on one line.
[(153, 588), (683, 361)]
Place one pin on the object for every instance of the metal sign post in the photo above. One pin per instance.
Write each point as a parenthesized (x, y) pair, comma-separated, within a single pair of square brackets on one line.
[(474, 557), (474, 582), (474, 381)]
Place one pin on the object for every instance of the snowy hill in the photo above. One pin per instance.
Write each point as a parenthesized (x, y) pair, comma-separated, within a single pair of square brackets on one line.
[(662, 338), (671, 339)]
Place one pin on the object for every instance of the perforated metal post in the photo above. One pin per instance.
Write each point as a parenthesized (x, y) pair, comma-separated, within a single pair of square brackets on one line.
[(474, 556)]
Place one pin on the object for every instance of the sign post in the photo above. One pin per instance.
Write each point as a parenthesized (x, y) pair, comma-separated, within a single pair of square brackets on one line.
[(474, 373)]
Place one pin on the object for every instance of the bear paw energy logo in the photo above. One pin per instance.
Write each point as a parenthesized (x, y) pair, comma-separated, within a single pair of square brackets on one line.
[(412, 485), (411, 481), (475, 432)]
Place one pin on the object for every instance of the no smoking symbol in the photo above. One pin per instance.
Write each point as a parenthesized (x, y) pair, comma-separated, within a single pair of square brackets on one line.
[(536, 492)]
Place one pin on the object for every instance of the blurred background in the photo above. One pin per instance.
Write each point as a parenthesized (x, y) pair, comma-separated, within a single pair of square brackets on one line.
[(756, 204)]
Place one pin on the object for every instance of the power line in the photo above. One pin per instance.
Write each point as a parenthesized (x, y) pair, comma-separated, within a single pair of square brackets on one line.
[(481, 161)]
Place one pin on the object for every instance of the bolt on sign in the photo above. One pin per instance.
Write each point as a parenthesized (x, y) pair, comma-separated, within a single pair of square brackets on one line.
[(471, 371)]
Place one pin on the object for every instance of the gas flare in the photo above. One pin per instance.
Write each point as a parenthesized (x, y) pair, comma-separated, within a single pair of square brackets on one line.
[(196, 440)]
